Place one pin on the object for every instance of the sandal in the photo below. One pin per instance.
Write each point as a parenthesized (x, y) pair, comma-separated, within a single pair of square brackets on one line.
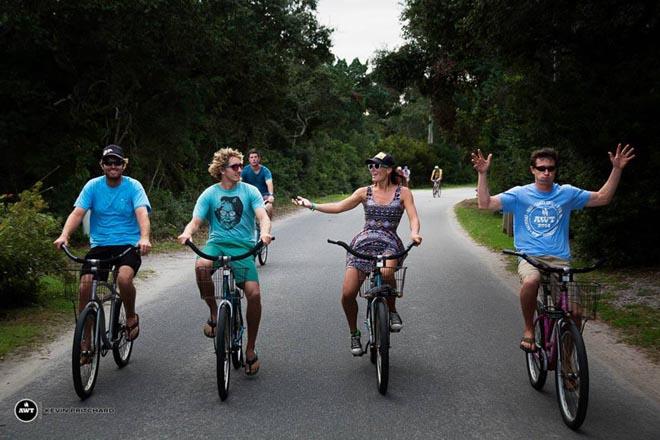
[(209, 329), (133, 331), (527, 340), (252, 365)]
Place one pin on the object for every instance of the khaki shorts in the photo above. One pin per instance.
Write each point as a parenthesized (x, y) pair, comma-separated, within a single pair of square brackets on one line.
[(525, 269)]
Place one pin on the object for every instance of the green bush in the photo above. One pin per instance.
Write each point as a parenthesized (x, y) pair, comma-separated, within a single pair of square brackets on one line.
[(26, 249)]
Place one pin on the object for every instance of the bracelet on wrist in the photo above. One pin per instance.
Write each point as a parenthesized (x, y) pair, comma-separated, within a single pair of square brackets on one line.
[(312, 206)]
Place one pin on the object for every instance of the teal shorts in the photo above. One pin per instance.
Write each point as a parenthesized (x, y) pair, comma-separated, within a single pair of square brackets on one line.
[(244, 270)]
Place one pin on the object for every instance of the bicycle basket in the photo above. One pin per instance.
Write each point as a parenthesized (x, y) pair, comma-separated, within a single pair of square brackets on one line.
[(72, 284), (393, 276), (583, 298), (209, 281)]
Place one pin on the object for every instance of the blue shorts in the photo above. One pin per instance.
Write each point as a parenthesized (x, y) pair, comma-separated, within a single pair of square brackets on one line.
[(244, 270)]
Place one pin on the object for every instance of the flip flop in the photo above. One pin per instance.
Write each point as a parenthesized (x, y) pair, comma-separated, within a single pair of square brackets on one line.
[(133, 331), (209, 329), (528, 340), (252, 365)]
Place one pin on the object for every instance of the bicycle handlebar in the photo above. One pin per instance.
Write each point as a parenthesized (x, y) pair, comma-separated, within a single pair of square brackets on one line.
[(108, 261), (371, 257), (206, 256), (547, 268)]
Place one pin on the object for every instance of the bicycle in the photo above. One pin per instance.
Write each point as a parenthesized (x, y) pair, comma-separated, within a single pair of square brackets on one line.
[(229, 330), (262, 255), (437, 186), (377, 321), (559, 320), (91, 338)]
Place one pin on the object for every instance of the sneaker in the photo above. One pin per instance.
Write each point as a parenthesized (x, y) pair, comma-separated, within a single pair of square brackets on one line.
[(395, 322), (356, 345)]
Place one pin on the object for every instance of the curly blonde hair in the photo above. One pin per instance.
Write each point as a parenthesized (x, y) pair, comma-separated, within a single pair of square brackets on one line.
[(220, 161)]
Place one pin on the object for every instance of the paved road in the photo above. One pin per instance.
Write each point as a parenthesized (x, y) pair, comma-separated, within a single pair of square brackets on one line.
[(456, 371)]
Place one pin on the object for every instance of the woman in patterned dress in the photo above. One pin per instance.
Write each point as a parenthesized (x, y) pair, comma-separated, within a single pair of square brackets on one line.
[(384, 202)]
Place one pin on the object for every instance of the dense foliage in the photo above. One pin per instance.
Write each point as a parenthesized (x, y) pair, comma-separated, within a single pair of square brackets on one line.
[(509, 77)]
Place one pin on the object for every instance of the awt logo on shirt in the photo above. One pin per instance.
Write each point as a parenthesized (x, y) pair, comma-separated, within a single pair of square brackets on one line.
[(542, 218)]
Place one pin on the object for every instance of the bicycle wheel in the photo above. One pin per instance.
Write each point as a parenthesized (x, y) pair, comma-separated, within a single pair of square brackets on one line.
[(223, 351), (86, 353), (572, 375), (436, 190), (537, 367), (121, 347), (237, 346), (382, 338), (263, 255), (373, 347)]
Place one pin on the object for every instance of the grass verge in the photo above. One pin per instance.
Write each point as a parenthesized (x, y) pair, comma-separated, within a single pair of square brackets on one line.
[(631, 301)]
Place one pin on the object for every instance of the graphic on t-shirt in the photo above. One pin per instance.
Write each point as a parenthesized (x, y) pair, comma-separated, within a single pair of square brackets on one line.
[(230, 211), (542, 218)]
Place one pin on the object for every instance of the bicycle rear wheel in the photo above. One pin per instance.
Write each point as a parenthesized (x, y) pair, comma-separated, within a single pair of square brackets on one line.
[(223, 351), (121, 347), (263, 255), (382, 339), (237, 346), (86, 353), (572, 375), (436, 190), (537, 367)]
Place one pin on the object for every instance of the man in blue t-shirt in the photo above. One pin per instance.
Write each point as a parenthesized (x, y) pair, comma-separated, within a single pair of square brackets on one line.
[(541, 214), (119, 219), (230, 208), (261, 177)]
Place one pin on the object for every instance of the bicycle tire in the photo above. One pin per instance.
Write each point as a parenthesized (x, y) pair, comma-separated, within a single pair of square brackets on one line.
[(571, 375), (223, 351), (121, 347), (373, 349), (85, 374), (263, 255), (435, 191), (537, 366), (237, 346), (382, 327)]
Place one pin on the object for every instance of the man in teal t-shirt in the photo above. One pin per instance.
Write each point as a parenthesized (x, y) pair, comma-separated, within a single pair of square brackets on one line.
[(119, 218), (261, 177), (541, 214), (230, 207)]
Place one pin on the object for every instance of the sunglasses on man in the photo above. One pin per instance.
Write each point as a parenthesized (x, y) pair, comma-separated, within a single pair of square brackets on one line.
[(550, 169), (235, 167)]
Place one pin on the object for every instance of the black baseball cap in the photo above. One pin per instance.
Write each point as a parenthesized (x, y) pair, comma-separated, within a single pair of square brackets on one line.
[(382, 159), (113, 150)]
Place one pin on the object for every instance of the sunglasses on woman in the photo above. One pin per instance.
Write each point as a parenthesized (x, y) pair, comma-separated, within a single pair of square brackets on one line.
[(375, 165), (112, 162)]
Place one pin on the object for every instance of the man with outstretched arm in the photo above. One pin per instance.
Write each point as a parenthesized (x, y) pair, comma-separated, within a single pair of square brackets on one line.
[(541, 214)]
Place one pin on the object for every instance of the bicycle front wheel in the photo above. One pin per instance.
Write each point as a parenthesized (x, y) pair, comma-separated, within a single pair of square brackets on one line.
[(223, 351), (86, 353), (537, 367), (572, 375), (121, 346), (382, 338), (237, 346), (263, 255)]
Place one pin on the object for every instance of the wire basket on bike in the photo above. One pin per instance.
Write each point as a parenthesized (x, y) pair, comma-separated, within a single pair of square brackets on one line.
[(583, 297), (214, 286), (394, 276), (73, 284)]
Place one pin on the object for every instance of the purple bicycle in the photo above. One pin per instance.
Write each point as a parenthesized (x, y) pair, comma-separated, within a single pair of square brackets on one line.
[(562, 311)]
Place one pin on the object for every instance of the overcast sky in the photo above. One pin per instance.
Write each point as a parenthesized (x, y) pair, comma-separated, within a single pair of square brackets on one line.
[(361, 26)]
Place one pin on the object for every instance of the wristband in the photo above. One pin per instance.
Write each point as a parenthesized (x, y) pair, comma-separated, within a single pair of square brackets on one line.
[(313, 207)]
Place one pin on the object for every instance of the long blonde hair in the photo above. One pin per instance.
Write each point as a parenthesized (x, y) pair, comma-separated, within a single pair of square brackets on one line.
[(220, 161)]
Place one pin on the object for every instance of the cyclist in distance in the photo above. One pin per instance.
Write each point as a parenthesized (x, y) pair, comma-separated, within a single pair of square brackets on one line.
[(541, 214), (261, 177), (436, 175), (119, 218), (384, 202), (230, 208)]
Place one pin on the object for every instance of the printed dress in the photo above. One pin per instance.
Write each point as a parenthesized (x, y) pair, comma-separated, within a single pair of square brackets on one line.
[(378, 237)]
